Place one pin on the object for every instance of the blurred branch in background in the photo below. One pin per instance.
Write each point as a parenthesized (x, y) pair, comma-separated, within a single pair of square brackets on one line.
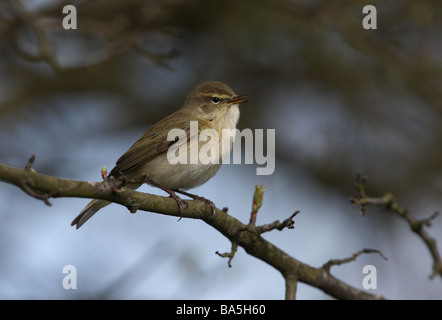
[(119, 28)]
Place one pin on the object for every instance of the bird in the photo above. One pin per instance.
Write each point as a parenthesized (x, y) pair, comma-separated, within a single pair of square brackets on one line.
[(211, 105)]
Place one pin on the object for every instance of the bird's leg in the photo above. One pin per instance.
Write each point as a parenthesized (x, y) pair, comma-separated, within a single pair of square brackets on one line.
[(195, 197), (182, 205)]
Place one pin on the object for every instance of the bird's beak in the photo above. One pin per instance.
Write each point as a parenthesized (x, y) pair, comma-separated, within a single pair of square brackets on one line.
[(238, 99)]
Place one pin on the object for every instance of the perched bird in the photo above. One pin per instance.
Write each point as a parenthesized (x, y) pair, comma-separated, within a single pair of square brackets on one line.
[(211, 105)]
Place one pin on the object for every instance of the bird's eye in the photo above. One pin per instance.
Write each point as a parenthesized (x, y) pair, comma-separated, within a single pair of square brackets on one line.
[(215, 100)]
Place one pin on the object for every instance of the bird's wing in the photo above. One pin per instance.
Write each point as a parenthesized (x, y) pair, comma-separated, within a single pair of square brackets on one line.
[(145, 150)]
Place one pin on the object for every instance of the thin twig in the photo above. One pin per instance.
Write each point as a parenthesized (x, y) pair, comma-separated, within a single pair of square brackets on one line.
[(288, 223), (30, 162), (230, 254), (334, 262), (389, 202)]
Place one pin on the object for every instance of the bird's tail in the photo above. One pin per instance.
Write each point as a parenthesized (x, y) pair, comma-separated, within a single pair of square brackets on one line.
[(89, 211)]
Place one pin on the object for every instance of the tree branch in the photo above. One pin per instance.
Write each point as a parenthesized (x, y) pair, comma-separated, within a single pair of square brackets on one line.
[(230, 254), (291, 269), (287, 223), (291, 284), (389, 202), (335, 262)]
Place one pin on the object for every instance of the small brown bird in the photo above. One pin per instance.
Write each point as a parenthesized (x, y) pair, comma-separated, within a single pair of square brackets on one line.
[(211, 105)]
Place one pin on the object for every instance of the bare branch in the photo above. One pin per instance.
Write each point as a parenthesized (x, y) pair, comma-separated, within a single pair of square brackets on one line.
[(291, 284), (389, 202), (30, 162), (334, 262), (238, 233), (117, 37), (287, 223), (230, 254)]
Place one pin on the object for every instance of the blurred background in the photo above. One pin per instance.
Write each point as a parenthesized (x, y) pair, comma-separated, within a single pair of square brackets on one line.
[(341, 99)]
